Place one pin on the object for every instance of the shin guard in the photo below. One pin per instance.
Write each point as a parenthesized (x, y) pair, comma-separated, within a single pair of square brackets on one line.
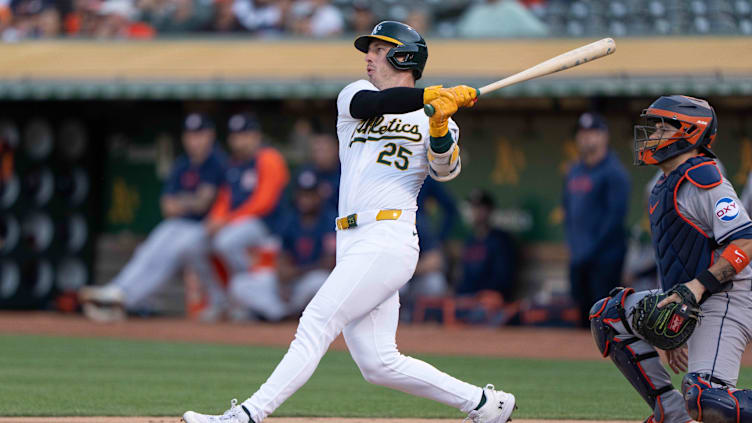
[(637, 360), (709, 400)]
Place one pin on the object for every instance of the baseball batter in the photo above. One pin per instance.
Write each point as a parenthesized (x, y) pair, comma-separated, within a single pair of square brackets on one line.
[(702, 238), (387, 146)]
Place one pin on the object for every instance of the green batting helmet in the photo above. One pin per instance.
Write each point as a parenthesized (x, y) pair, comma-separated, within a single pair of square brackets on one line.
[(407, 43)]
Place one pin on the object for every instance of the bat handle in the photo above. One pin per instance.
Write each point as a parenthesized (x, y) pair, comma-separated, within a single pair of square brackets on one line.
[(429, 109)]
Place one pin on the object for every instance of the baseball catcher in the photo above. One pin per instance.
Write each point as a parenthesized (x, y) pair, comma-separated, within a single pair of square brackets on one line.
[(702, 238)]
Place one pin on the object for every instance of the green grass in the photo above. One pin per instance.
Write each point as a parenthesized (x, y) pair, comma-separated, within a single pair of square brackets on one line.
[(54, 376)]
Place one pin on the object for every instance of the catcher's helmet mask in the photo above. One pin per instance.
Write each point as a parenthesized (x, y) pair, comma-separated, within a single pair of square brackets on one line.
[(409, 46), (694, 124)]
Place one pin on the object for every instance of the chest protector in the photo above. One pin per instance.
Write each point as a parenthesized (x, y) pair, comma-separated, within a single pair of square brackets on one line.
[(682, 249)]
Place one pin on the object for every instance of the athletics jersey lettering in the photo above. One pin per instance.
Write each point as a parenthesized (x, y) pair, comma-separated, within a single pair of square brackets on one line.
[(384, 158), (394, 126)]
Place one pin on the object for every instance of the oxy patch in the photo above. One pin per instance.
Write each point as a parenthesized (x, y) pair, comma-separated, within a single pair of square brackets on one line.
[(726, 209)]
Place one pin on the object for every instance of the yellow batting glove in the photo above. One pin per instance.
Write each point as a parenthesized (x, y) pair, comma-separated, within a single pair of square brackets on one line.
[(445, 106), (464, 96), (432, 93)]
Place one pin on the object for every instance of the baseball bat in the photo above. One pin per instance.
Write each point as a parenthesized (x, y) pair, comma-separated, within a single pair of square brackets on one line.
[(570, 59)]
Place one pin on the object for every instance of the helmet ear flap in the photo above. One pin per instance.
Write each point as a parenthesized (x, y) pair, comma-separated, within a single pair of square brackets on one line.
[(709, 136), (414, 58)]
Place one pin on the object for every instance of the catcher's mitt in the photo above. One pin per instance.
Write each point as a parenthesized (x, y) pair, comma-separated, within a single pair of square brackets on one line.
[(668, 327)]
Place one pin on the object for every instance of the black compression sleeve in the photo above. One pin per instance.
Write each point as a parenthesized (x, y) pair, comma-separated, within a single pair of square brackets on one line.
[(367, 104)]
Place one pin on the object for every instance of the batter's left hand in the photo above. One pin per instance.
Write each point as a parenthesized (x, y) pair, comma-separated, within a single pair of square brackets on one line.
[(694, 285), (445, 106), (677, 359)]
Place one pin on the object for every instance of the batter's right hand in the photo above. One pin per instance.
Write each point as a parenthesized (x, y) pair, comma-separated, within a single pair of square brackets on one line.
[(464, 95)]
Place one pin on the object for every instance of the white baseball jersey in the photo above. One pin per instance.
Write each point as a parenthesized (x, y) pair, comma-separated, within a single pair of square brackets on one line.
[(384, 159)]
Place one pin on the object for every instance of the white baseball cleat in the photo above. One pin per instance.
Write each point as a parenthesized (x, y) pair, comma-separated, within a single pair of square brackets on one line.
[(107, 294), (498, 408), (236, 414), (106, 313), (103, 304)]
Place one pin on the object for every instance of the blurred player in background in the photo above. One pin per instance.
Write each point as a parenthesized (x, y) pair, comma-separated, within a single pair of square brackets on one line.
[(244, 215), (308, 243), (430, 273), (325, 166), (306, 259), (596, 195), (178, 240), (387, 147), (489, 257)]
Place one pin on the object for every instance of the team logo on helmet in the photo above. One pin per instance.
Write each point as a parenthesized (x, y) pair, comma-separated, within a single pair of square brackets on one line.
[(726, 209)]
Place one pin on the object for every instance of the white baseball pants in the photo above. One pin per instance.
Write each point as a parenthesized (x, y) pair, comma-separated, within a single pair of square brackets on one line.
[(360, 298)]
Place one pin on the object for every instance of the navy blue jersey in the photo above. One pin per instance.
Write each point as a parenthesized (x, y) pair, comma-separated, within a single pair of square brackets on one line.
[(308, 244), (489, 263), (427, 240), (252, 189), (595, 206), (242, 178), (328, 184), (434, 190), (186, 176)]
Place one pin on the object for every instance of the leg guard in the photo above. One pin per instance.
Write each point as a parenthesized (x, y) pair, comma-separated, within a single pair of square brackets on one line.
[(636, 359), (709, 400)]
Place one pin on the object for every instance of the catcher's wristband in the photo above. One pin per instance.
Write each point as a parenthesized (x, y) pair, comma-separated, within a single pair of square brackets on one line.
[(710, 282), (736, 256)]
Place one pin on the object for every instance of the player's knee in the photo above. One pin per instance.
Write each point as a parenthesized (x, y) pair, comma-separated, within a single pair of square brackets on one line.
[(606, 318), (378, 369), (709, 401), (600, 331)]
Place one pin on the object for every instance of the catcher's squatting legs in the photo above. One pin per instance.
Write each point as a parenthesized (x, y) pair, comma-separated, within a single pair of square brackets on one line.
[(360, 297), (636, 359), (715, 350)]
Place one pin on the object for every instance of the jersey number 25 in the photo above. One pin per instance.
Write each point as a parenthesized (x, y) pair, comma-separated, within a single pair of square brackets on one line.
[(401, 162)]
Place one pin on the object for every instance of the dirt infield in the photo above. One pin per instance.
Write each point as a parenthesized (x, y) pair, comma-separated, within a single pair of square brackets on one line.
[(507, 342), (572, 344)]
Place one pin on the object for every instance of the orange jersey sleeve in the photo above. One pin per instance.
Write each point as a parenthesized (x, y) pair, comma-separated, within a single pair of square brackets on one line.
[(273, 176), (220, 210)]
